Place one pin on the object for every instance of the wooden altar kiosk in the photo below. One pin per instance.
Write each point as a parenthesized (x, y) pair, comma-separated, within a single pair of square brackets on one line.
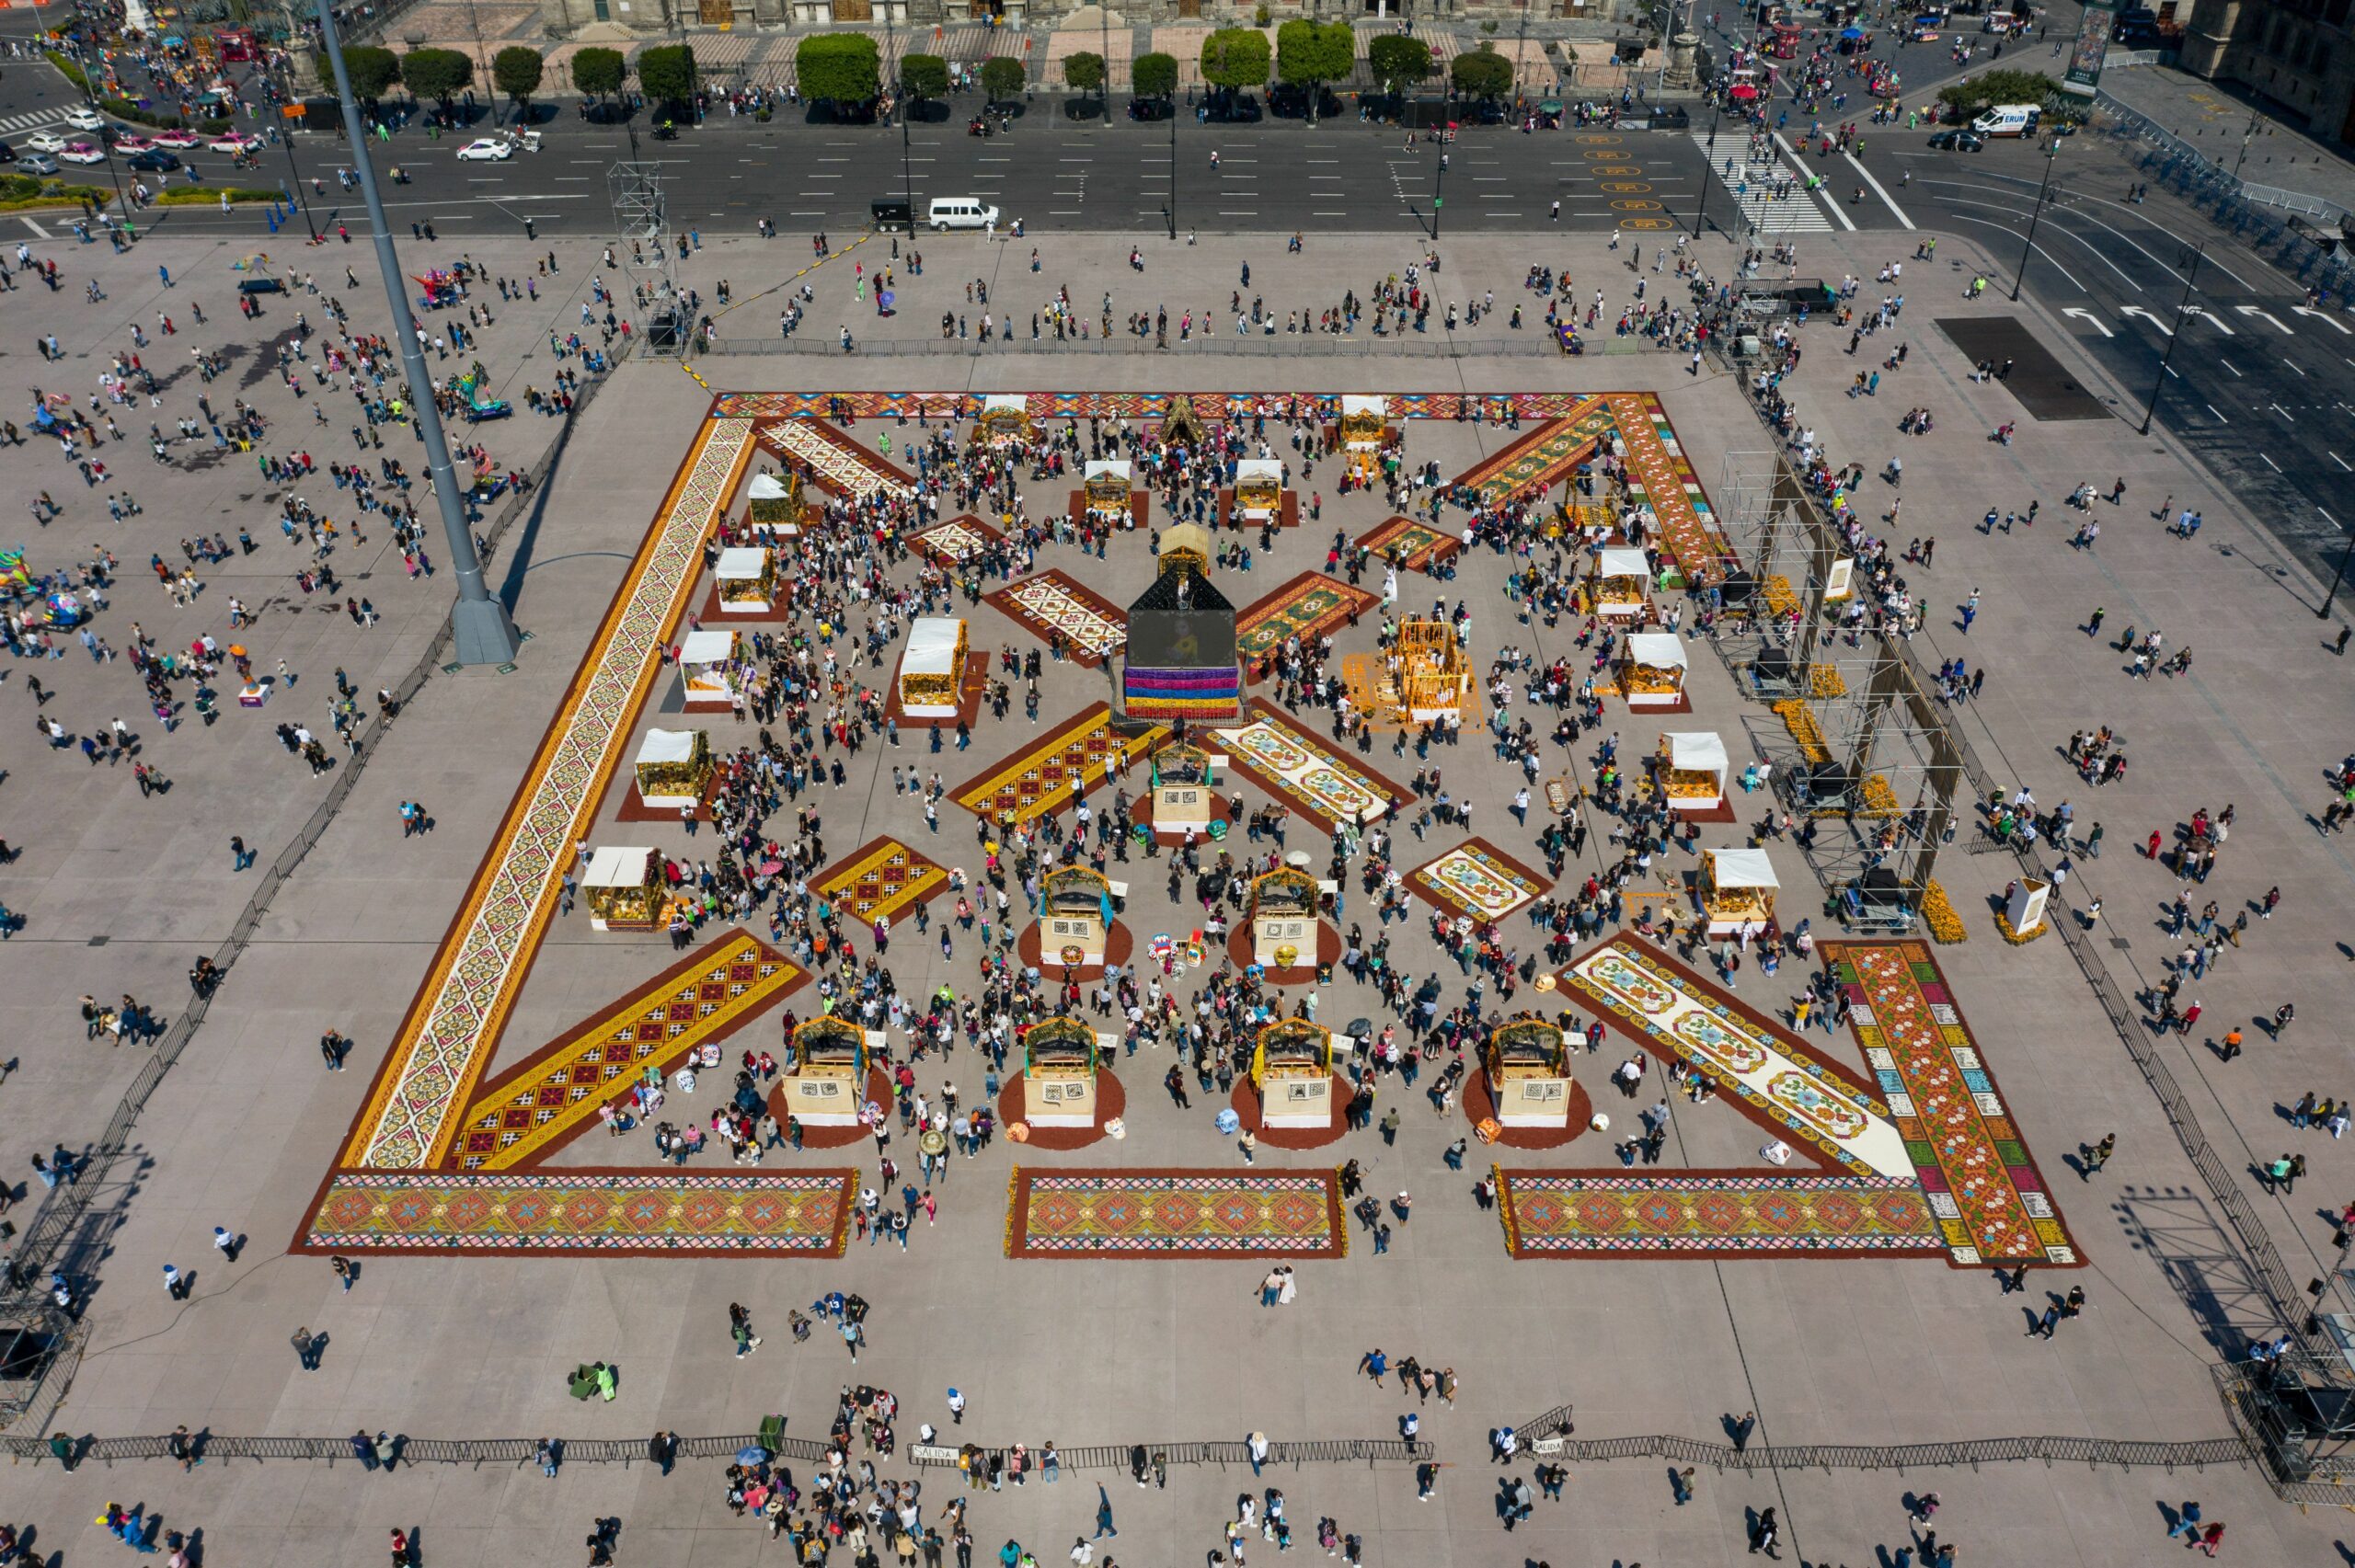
[(931, 668), (1528, 1065), (1292, 1065), (623, 887), (825, 1077), (1060, 1059), (673, 766), (746, 577), (1737, 889)]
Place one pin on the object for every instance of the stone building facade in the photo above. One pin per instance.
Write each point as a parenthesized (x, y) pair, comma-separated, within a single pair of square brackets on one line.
[(2296, 53), (568, 16)]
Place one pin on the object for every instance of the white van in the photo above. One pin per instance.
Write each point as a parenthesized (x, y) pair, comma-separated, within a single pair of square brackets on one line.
[(2008, 120), (960, 213)]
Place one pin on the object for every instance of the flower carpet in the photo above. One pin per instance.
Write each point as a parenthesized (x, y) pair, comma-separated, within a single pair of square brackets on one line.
[(1307, 607), (1414, 544), (1092, 628), (1477, 879), (1709, 1214), (1285, 762), (1989, 1200), (580, 1212), (1038, 779), (1273, 1215), (881, 879)]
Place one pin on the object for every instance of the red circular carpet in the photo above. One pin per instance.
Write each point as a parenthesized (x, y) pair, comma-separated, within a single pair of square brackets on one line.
[(878, 1089), (1111, 1101), (1245, 1102)]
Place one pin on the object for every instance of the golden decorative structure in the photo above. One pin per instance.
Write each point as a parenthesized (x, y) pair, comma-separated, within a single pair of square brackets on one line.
[(1283, 917), (1737, 889), (624, 886), (1060, 1058), (1291, 1064), (673, 765), (1259, 487), (825, 1080), (1184, 423), (1528, 1063), (931, 668), (1430, 677), (1074, 913), (1106, 489), (1185, 544), (1005, 418)]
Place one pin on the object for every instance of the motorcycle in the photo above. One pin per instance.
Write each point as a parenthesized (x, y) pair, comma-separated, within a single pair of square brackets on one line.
[(980, 126), (665, 131)]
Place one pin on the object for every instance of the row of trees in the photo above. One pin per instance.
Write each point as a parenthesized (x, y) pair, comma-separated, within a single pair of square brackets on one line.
[(848, 68), (666, 73)]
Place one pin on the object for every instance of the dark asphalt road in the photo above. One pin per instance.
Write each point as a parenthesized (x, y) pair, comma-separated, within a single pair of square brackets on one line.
[(2261, 387)]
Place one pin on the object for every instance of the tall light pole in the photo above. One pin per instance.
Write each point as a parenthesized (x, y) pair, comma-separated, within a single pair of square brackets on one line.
[(2338, 577), (2158, 383), (1716, 113), (1104, 82), (482, 631), (2051, 151)]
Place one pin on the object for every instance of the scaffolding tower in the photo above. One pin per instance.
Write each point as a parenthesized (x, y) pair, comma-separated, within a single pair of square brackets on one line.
[(647, 254)]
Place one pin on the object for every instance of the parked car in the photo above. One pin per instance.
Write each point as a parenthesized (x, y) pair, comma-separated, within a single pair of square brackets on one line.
[(7, 154), (481, 149), (83, 152), (1150, 108), (1959, 142), (1231, 109), (152, 160), (36, 162)]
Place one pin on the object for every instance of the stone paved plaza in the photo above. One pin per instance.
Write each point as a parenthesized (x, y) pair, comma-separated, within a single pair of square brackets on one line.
[(477, 1298)]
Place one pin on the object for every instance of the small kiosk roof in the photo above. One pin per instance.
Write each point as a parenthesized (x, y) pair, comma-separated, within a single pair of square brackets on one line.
[(1005, 402), (1258, 468), (1351, 403), (1696, 750), (1107, 468), (769, 487), (707, 647), (742, 561), (1619, 561), (1660, 650), (1742, 868), (618, 865), (666, 746), (932, 646)]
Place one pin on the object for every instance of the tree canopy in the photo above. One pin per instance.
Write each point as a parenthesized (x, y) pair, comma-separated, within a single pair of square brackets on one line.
[(1398, 62), (1482, 72), (924, 76), (1154, 75), (598, 72), (373, 70), (839, 67), (1084, 71), (1236, 58), (1973, 93), (516, 72), (1002, 78), (437, 73), (1311, 54), (667, 72)]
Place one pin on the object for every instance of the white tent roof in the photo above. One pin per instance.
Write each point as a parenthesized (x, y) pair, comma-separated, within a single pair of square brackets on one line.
[(1742, 868), (707, 647), (1258, 468), (1005, 402), (743, 561), (1621, 562), (666, 746), (932, 646), (769, 487), (1352, 403), (1661, 651), (1116, 466), (618, 865), (1696, 750)]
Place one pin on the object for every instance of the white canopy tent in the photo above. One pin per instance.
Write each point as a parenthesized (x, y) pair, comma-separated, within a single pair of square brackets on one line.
[(1107, 468), (662, 746), (743, 562), (1657, 650), (1264, 470), (1619, 561), (769, 487), (702, 648), (616, 866), (932, 646), (1697, 751), (1742, 868), (1352, 403)]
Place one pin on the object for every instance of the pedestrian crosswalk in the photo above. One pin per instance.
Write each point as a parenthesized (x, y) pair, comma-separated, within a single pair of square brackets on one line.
[(1754, 183), (32, 119)]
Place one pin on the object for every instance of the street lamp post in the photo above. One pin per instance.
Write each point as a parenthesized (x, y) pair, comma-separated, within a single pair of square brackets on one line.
[(1702, 206), (2158, 383), (2339, 576), (483, 633), (2051, 151), (1172, 208)]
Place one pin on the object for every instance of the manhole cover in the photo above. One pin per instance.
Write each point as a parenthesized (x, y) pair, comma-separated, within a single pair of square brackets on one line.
[(2120, 943)]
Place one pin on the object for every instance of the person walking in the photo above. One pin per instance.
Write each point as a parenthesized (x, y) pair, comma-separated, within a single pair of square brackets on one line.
[(2099, 1155), (2186, 1521), (740, 1328), (1764, 1533)]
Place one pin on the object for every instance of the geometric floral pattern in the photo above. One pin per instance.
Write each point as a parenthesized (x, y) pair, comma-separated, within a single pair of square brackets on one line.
[(1554, 1213), (1990, 1199), (1092, 627), (575, 1212), (411, 1117), (1308, 606), (1166, 1213), (1038, 779), (1477, 879), (1286, 761), (521, 1117), (1660, 476), (1416, 544), (879, 881), (1540, 459), (834, 460), (1775, 1075)]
